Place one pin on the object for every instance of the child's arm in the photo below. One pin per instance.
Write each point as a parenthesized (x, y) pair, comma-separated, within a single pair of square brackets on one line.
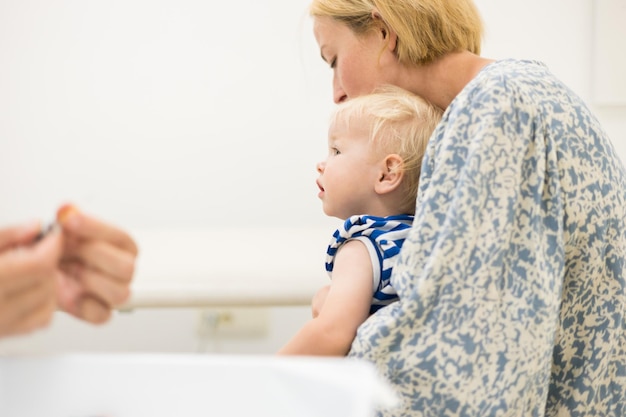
[(347, 305)]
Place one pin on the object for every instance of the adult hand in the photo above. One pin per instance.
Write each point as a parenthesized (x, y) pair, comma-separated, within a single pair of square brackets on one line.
[(27, 278), (97, 266)]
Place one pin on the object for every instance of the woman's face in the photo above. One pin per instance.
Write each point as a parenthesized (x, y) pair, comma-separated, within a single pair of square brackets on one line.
[(359, 63)]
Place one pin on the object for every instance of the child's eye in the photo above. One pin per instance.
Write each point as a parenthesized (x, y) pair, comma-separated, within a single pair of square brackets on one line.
[(334, 151)]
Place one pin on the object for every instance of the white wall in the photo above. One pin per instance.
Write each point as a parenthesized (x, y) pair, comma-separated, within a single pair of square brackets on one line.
[(158, 113), (190, 113)]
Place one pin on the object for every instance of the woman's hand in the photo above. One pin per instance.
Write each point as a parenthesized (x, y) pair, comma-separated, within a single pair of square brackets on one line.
[(97, 266), (27, 278)]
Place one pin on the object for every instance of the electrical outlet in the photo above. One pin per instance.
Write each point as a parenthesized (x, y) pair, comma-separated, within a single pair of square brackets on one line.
[(233, 323)]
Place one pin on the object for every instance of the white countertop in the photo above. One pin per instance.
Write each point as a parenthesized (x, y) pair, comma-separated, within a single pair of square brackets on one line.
[(228, 267), (166, 385)]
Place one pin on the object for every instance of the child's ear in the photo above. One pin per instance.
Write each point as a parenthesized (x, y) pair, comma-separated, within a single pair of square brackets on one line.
[(391, 174)]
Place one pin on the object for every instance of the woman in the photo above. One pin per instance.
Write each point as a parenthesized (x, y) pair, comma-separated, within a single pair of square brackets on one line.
[(511, 281), (83, 267)]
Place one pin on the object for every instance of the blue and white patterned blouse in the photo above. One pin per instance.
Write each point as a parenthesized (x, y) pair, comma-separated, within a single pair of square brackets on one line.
[(511, 281), (383, 237)]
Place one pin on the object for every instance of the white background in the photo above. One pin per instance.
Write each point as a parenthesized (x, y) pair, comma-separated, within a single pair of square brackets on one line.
[(188, 113), (197, 114), (161, 113)]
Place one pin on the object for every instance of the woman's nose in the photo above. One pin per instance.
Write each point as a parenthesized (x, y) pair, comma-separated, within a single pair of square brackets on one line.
[(338, 94), (340, 98)]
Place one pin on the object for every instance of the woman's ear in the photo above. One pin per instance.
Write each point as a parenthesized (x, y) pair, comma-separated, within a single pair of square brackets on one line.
[(391, 174), (388, 35)]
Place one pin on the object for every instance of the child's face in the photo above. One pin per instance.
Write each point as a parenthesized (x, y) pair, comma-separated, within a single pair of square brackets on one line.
[(347, 177)]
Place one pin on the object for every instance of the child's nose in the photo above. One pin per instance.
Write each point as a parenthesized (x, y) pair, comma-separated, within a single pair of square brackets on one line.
[(320, 167)]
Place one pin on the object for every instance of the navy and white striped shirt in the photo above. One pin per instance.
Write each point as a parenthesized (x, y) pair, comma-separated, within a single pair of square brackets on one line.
[(383, 237)]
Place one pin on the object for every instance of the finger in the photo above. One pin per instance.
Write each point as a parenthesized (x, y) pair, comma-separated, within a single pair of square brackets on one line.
[(89, 309), (93, 311), (22, 267), (39, 317), (84, 226), (14, 287), (68, 291), (27, 310), (19, 235), (101, 256), (95, 284)]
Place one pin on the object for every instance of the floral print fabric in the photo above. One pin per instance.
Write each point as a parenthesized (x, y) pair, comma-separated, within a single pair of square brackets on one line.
[(511, 281)]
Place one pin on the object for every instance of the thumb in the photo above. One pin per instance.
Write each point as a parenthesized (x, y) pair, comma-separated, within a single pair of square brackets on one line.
[(33, 258), (18, 235), (50, 248)]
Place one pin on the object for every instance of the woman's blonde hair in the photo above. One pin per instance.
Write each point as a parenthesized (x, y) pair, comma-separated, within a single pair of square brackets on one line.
[(400, 123), (426, 29)]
